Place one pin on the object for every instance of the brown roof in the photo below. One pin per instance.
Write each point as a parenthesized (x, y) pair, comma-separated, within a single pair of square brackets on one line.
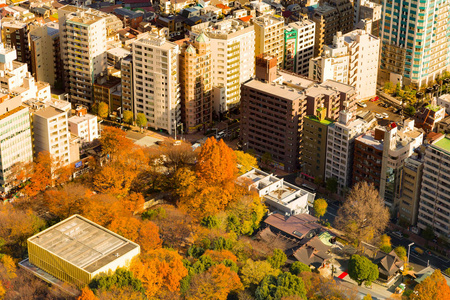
[(297, 226), (388, 263), (314, 252)]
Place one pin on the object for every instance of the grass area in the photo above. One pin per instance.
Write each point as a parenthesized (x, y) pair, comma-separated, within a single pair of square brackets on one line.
[(444, 144), (434, 108)]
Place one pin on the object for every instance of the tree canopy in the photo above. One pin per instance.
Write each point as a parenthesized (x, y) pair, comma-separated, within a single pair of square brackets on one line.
[(283, 285), (361, 270), (433, 287), (320, 207)]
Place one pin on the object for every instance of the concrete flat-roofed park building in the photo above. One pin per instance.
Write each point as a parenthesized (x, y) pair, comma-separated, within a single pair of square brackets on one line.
[(76, 250)]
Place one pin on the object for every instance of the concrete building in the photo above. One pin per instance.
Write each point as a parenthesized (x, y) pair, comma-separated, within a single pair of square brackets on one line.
[(341, 142), (15, 33), (269, 32), (16, 146), (429, 116), (299, 46), (51, 129), (351, 59), (315, 128), (196, 83), (444, 101), (233, 59), (411, 186), (126, 73), (368, 16), (331, 17), (155, 81), (76, 250), (379, 156), (108, 89), (83, 125), (416, 52), (279, 195), (274, 105), (83, 50), (46, 64)]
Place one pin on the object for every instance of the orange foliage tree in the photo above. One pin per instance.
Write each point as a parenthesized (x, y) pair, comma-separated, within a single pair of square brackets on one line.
[(41, 176), (70, 199), (87, 294), (433, 287), (216, 283), (160, 271), (114, 141)]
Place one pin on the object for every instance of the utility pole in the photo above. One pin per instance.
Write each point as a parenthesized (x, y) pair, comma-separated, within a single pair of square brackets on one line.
[(409, 249)]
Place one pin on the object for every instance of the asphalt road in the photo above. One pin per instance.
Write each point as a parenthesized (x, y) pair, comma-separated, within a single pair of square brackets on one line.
[(419, 261)]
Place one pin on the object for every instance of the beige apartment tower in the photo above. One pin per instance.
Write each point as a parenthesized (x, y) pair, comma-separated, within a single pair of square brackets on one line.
[(269, 35), (195, 81)]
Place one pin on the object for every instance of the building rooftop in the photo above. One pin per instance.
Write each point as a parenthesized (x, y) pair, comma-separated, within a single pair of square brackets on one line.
[(83, 243), (278, 90), (324, 121), (48, 112), (79, 119), (443, 143), (298, 226)]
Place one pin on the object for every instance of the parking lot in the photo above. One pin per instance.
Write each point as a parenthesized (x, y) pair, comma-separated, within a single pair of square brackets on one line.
[(376, 108)]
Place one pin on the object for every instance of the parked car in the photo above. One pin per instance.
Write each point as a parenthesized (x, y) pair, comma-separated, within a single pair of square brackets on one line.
[(361, 104), (418, 250), (378, 116), (384, 115)]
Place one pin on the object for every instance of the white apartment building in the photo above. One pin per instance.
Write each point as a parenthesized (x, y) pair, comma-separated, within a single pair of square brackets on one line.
[(352, 59), (155, 81), (434, 208), (16, 80), (233, 59), (299, 46), (279, 195), (51, 129), (269, 32), (15, 135), (84, 125), (83, 50), (341, 143)]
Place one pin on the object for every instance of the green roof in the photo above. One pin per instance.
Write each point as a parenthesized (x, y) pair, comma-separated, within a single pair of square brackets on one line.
[(434, 108), (191, 49), (324, 121), (325, 238), (444, 144), (202, 38)]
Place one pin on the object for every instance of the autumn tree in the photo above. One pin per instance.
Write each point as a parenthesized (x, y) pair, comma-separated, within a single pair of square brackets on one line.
[(128, 116), (283, 285), (10, 266), (319, 287), (363, 214), (114, 141), (361, 269), (176, 156), (320, 207), (41, 177), (367, 297), (433, 287), (87, 294), (277, 259), (141, 120), (68, 200), (214, 284), (245, 161), (102, 110), (244, 216), (385, 243), (252, 272)]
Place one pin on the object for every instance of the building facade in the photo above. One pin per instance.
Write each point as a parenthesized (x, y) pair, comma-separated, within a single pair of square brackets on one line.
[(83, 125), (411, 186), (155, 81), (196, 84), (415, 41), (269, 32), (15, 33), (83, 50), (299, 46), (126, 73)]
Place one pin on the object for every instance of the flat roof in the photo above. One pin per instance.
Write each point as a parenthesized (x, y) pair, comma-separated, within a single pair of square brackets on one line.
[(324, 121), (443, 143), (83, 243), (278, 90), (48, 112)]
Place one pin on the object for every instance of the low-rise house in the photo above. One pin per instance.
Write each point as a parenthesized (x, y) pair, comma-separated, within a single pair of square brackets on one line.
[(298, 227), (314, 253), (278, 195), (389, 265), (428, 118)]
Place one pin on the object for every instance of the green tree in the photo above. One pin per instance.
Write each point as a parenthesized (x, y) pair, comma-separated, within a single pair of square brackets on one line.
[(361, 269), (277, 259), (332, 184), (401, 252), (320, 207), (410, 110), (120, 279), (298, 267), (284, 285), (128, 117), (388, 87), (266, 158), (367, 297), (245, 161), (141, 120), (103, 110), (447, 271), (252, 272), (210, 222), (428, 233)]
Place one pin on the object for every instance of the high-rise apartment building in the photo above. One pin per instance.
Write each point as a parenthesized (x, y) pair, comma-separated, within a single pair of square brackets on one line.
[(434, 207), (196, 83), (16, 145), (155, 81), (351, 59), (126, 73), (15, 33), (299, 46), (269, 32), (415, 41), (315, 128), (46, 64), (340, 148), (274, 105), (379, 156), (411, 185), (232, 59), (331, 17), (83, 50)]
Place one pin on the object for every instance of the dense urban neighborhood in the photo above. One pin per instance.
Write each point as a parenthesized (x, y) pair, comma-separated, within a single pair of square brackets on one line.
[(225, 150)]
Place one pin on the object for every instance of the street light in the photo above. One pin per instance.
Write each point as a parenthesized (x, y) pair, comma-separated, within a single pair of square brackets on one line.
[(409, 248)]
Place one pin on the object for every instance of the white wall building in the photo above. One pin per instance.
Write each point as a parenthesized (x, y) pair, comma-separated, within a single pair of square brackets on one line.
[(155, 81), (341, 142), (233, 59), (279, 195), (301, 45), (84, 125), (444, 101), (352, 59)]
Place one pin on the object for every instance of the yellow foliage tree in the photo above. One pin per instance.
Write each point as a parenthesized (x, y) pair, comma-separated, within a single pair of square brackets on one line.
[(245, 161)]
